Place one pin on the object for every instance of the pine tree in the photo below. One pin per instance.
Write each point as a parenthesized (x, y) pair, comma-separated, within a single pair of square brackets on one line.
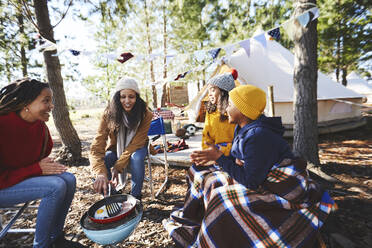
[(344, 36)]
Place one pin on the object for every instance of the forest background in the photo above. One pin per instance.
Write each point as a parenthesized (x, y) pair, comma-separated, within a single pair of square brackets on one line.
[(168, 27)]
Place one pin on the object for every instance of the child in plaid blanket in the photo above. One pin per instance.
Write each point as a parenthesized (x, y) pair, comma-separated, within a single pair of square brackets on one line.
[(267, 201)]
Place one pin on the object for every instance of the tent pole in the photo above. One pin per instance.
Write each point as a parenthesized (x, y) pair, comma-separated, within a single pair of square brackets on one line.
[(270, 90)]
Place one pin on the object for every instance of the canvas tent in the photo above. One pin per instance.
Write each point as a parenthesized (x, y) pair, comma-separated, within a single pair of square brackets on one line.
[(359, 85), (273, 65)]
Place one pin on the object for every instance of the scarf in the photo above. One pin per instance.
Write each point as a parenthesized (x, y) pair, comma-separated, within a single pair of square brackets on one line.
[(125, 136)]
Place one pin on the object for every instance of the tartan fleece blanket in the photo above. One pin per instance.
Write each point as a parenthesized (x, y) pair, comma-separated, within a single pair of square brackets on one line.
[(286, 211)]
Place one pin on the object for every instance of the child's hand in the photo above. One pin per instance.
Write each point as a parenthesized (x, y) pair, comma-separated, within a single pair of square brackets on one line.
[(239, 162), (205, 156)]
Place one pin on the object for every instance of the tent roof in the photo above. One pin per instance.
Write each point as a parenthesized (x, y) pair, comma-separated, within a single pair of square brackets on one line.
[(274, 65), (358, 84)]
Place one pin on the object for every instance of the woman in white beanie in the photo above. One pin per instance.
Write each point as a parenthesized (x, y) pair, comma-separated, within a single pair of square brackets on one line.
[(125, 123)]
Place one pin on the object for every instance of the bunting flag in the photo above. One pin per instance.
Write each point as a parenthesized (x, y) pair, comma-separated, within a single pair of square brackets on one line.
[(139, 57), (74, 52), (229, 49), (246, 45), (125, 57), (214, 53), (261, 38), (200, 55), (289, 27), (275, 33), (315, 12), (182, 75), (47, 45), (304, 19)]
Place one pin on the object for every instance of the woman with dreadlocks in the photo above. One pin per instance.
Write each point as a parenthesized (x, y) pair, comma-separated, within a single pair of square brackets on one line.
[(26, 171), (125, 124), (217, 130)]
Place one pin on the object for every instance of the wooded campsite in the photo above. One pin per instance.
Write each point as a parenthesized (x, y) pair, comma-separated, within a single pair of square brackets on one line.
[(311, 58)]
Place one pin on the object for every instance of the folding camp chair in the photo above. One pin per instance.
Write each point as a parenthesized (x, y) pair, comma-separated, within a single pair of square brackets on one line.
[(157, 129), (19, 210)]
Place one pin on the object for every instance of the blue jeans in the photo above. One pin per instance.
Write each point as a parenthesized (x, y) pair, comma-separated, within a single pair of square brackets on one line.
[(136, 167), (56, 193)]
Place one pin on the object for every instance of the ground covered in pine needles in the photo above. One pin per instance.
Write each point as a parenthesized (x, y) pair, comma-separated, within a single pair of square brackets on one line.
[(346, 156)]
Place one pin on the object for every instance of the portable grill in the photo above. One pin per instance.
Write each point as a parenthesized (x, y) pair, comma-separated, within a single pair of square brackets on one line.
[(113, 231)]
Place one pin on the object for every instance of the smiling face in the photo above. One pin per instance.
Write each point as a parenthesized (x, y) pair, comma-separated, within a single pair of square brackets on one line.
[(235, 116), (128, 99), (214, 94), (40, 108)]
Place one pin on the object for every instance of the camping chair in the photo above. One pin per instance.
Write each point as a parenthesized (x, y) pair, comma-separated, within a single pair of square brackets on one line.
[(157, 130), (20, 209)]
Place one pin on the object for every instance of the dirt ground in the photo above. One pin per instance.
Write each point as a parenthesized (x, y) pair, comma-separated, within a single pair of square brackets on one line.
[(346, 156)]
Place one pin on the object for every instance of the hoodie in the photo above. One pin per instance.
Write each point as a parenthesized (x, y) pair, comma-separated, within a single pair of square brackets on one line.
[(259, 145)]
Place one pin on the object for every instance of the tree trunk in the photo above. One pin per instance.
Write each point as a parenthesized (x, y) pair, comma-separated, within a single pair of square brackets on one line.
[(203, 79), (23, 35), (164, 97), (344, 75), (154, 94), (338, 58), (71, 150), (305, 135)]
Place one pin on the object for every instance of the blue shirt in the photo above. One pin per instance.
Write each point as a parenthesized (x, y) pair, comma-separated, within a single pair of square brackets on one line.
[(259, 145)]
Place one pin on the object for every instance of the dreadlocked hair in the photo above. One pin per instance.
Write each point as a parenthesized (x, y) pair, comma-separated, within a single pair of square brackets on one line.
[(114, 113), (15, 96), (222, 105)]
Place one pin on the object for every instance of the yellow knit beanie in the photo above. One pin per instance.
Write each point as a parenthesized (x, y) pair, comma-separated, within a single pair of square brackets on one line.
[(249, 99)]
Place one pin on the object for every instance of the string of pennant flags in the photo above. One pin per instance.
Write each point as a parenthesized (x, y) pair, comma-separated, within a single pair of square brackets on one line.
[(289, 26)]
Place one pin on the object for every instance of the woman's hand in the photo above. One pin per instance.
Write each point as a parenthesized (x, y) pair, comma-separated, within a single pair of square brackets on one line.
[(205, 156), (49, 167), (100, 185)]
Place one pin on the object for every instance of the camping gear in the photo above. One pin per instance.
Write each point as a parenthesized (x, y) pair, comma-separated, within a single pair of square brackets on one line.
[(114, 232), (112, 208)]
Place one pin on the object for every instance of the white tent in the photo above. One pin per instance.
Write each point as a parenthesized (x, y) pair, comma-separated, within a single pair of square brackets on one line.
[(273, 65), (359, 85)]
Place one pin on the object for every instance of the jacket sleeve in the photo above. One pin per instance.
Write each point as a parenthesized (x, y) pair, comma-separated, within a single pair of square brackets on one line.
[(226, 149), (139, 140), (97, 149), (205, 134), (258, 155)]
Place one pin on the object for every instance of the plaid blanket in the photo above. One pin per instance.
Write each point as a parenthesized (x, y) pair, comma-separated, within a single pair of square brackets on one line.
[(286, 211)]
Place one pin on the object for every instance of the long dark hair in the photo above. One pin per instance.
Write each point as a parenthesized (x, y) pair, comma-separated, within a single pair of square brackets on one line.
[(222, 105), (15, 96), (114, 113)]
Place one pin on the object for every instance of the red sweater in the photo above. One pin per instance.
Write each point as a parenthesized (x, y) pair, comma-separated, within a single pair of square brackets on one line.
[(20, 149)]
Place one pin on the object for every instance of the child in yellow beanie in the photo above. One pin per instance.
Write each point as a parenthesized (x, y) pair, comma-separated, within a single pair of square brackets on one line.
[(257, 204), (258, 143), (217, 130)]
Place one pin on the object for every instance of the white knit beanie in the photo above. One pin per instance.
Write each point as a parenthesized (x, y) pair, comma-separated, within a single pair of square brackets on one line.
[(127, 83)]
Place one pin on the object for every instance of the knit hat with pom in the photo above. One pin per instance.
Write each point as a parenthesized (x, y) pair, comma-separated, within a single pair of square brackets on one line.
[(249, 99), (127, 83), (225, 81)]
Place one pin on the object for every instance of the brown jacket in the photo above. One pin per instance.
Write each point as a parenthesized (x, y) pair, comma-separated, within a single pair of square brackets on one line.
[(99, 145)]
